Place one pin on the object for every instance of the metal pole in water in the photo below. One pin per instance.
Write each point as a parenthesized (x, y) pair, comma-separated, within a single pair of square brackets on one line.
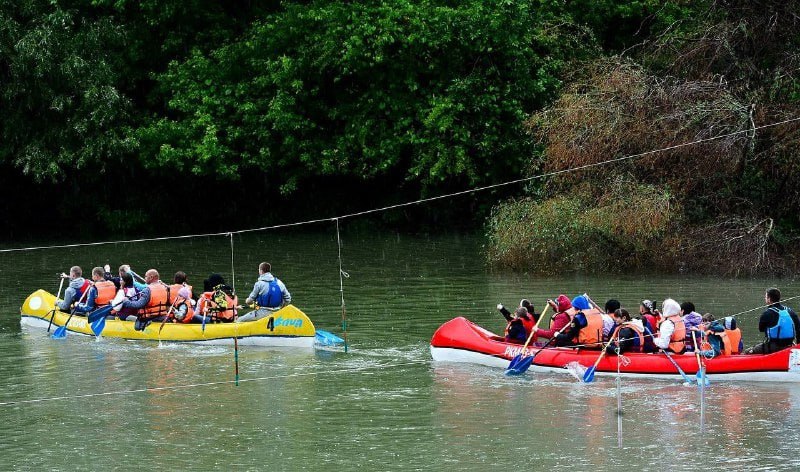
[(619, 398), (702, 399), (236, 356)]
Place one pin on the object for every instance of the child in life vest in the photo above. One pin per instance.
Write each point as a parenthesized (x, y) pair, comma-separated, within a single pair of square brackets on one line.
[(714, 343)]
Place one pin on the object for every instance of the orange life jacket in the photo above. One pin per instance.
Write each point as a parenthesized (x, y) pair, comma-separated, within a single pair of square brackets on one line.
[(677, 342), (189, 309), (207, 306), (157, 305), (173, 292), (735, 338), (105, 292), (635, 328), (591, 335)]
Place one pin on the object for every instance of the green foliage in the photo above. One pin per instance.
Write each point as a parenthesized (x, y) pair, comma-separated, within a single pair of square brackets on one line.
[(624, 229), (426, 91), (59, 90)]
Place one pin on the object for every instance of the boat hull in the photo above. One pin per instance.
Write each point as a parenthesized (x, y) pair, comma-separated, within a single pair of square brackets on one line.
[(460, 340), (290, 328)]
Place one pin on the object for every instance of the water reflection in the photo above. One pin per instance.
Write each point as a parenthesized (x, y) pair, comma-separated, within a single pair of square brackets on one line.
[(384, 405)]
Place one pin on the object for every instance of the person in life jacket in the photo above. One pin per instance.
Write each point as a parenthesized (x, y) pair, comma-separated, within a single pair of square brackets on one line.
[(77, 286), (671, 332), (734, 334), (127, 291), (100, 293), (518, 325), (181, 308), (627, 335), (269, 294), (558, 321), (586, 326), (715, 341), (651, 317), (179, 281), (779, 324), (152, 300)]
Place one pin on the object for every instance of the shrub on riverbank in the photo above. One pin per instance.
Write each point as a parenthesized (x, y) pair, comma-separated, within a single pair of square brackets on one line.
[(619, 227)]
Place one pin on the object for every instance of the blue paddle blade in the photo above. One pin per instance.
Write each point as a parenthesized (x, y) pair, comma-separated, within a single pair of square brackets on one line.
[(326, 338), (521, 365), (701, 378), (60, 332), (98, 325), (588, 376), (99, 313)]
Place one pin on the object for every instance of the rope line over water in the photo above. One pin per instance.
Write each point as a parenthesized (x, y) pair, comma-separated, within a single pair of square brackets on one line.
[(415, 202), (203, 384)]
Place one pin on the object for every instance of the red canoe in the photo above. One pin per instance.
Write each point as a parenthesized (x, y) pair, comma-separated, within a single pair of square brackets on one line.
[(460, 340)]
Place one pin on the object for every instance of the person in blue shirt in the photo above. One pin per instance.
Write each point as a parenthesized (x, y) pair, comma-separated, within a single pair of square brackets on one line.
[(269, 294), (779, 324)]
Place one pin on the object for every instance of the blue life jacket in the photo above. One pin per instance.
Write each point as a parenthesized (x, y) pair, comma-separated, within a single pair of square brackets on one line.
[(272, 298), (784, 328)]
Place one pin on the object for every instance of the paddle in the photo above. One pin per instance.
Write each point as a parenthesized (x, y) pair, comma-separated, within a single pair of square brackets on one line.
[(588, 376), (55, 304), (61, 331), (702, 379), (515, 367), (680, 371), (525, 363), (168, 316)]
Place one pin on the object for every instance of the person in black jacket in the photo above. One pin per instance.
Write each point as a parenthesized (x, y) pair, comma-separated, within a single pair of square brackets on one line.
[(779, 324)]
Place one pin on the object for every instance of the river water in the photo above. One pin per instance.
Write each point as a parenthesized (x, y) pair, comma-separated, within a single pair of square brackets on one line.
[(78, 403)]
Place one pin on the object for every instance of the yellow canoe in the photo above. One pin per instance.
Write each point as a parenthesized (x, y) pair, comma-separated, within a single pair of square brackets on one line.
[(290, 328)]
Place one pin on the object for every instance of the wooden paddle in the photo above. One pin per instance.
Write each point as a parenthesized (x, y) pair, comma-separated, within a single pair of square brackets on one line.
[(55, 304), (526, 362), (512, 366)]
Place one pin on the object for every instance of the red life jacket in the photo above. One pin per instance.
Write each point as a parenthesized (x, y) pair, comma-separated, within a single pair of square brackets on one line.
[(86, 284)]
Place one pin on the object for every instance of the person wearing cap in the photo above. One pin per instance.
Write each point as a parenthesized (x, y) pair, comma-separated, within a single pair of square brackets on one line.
[(671, 332), (650, 316), (779, 324), (585, 328), (182, 310), (559, 320)]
